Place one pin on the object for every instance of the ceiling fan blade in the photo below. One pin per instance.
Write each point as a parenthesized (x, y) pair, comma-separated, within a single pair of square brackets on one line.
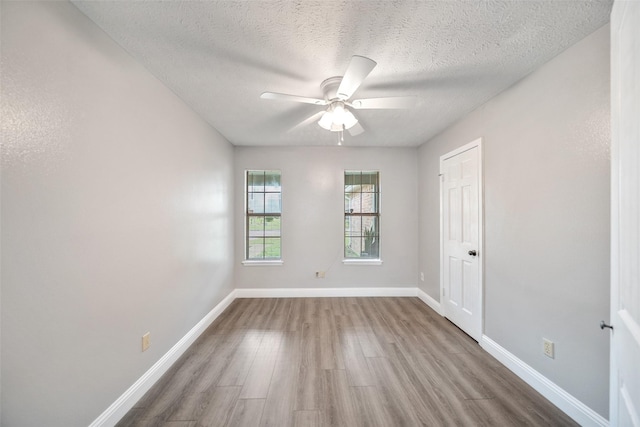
[(392, 102), (356, 129), (358, 69), (314, 118), (293, 98)]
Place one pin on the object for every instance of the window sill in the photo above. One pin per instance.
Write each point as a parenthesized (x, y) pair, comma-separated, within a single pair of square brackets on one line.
[(262, 263), (362, 261)]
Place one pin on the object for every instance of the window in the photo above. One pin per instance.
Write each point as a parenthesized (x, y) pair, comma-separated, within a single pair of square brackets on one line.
[(264, 208), (361, 215)]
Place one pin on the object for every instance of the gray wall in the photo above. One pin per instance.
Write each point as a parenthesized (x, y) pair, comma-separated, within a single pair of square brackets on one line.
[(546, 203), (313, 219), (116, 217)]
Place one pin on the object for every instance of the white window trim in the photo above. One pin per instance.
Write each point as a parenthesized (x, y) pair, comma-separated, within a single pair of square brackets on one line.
[(354, 261), (262, 262)]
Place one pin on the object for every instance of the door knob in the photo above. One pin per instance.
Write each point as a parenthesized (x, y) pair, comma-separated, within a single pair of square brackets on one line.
[(604, 325), (473, 253)]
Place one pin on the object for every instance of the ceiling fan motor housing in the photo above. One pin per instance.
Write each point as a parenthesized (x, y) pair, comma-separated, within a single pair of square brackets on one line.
[(330, 87)]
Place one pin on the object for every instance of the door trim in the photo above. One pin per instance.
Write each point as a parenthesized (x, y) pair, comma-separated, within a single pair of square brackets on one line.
[(473, 144)]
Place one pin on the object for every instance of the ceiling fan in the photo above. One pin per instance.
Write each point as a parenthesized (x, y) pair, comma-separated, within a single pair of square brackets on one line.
[(337, 116)]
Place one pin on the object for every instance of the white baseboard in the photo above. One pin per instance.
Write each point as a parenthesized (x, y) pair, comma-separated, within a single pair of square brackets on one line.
[(577, 410), (124, 403), (325, 292), (427, 299)]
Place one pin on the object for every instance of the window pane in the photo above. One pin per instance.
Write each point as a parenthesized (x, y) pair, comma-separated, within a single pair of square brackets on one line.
[(352, 247), (272, 181), (370, 247), (369, 182), (273, 202), (370, 179), (255, 203), (370, 237), (272, 247), (369, 203), (352, 178), (352, 226), (352, 202), (272, 226), (256, 226), (370, 225), (255, 181), (256, 248)]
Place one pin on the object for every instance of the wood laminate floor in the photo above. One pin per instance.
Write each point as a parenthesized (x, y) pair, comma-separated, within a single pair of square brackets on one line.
[(309, 362)]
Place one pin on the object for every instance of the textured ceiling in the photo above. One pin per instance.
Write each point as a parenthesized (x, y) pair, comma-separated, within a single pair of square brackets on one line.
[(219, 56)]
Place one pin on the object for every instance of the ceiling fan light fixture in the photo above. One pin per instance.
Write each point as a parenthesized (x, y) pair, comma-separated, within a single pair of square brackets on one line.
[(336, 127), (339, 113), (326, 120), (337, 118), (349, 119)]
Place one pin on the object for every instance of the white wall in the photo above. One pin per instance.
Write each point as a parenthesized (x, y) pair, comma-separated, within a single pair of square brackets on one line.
[(546, 171), (313, 216), (116, 217)]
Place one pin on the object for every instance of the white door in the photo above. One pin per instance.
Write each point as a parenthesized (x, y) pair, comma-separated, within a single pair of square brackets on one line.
[(624, 394), (461, 236)]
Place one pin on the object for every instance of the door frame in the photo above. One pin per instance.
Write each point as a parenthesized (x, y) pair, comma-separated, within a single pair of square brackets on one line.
[(473, 144)]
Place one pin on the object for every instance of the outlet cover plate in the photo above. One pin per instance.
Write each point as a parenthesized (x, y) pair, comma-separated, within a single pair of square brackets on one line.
[(146, 341), (548, 348)]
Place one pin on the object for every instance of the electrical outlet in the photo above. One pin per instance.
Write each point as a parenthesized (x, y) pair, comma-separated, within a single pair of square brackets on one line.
[(422, 276), (146, 341), (319, 274), (548, 348)]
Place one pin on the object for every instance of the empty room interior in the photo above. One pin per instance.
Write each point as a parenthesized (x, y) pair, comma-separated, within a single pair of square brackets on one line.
[(317, 213)]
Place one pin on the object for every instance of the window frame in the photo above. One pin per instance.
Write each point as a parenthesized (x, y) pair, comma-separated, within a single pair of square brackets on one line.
[(264, 214), (376, 214)]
